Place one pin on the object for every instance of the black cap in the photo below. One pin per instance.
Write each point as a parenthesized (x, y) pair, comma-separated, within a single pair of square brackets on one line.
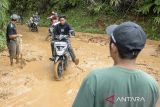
[(127, 35)]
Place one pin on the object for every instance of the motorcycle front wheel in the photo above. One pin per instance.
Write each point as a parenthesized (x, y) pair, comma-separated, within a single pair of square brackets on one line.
[(65, 62), (36, 29), (58, 70)]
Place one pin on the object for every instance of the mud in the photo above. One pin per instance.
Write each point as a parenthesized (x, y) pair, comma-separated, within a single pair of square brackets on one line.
[(34, 86)]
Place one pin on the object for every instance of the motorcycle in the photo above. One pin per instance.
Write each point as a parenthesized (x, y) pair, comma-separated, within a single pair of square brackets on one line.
[(33, 27), (60, 56), (33, 24)]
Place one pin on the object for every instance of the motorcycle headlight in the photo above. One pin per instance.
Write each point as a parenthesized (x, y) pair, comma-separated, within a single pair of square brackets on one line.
[(60, 48)]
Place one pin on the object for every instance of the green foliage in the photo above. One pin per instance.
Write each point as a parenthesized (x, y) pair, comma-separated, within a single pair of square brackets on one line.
[(145, 9), (64, 5), (150, 6), (96, 9), (156, 9), (2, 41), (157, 20), (152, 32), (83, 22), (44, 22), (86, 12), (3, 17), (3, 8)]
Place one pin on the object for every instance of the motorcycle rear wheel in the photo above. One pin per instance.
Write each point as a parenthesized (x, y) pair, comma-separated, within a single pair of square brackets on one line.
[(58, 70)]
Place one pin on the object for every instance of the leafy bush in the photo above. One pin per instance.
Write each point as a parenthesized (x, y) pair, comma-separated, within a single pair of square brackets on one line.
[(2, 41), (152, 8), (3, 8)]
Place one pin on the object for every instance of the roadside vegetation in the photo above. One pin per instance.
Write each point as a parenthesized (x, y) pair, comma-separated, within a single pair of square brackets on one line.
[(3, 17)]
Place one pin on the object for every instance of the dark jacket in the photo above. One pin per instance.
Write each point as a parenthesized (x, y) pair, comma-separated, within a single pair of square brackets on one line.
[(62, 29), (11, 30)]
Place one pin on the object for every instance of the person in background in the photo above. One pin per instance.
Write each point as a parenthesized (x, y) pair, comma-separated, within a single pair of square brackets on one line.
[(122, 85), (11, 35), (36, 18)]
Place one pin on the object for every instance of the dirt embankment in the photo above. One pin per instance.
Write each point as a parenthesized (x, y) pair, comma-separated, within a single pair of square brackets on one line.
[(33, 86)]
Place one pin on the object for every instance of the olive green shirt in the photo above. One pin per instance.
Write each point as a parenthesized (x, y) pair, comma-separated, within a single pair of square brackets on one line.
[(117, 87)]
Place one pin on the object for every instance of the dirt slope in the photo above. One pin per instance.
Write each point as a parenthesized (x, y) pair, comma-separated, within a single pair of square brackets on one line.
[(33, 86)]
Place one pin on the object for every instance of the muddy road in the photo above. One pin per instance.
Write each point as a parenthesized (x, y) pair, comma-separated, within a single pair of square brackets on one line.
[(34, 86)]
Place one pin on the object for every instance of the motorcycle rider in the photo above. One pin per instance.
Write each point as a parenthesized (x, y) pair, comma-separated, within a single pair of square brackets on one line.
[(34, 19), (11, 35), (63, 28)]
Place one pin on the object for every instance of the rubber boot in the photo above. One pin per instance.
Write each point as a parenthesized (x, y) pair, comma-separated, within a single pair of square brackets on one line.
[(17, 60), (11, 61), (76, 61)]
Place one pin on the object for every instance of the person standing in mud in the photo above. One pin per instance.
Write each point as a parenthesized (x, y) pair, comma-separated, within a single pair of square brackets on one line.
[(121, 85), (11, 35)]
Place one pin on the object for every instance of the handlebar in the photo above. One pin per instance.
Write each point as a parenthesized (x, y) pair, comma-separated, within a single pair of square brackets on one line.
[(60, 37)]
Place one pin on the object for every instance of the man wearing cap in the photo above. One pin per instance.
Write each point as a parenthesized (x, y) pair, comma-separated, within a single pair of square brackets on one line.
[(11, 35), (122, 85)]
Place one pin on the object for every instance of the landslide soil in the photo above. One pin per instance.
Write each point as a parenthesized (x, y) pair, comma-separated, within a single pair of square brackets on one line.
[(34, 86)]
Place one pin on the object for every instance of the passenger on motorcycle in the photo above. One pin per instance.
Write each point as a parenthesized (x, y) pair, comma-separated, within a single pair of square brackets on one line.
[(54, 21), (53, 18), (63, 28)]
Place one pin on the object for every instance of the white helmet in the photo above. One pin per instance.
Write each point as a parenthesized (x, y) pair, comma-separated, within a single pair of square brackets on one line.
[(14, 17)]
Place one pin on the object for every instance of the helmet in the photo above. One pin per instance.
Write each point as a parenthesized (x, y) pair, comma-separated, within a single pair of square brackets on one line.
[(14, 17)]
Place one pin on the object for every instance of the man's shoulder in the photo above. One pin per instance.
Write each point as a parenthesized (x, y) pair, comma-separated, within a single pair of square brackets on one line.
[(148, 78), (114, 73), (100, 72), (10, 25), (67, 24)]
